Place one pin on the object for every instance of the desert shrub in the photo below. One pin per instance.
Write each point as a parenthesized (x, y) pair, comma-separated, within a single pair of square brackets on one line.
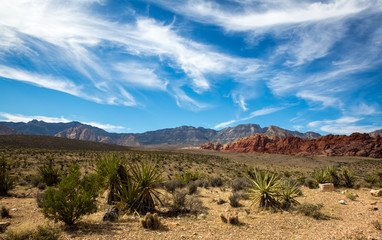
[(40, 233), (239, 184), (287, 174), (49, 174), (7, 182), (40, 199), (264, 188), (194, 205), (310, 183), (301, 180), (312, 210), (74, 197), (351, 196), (179, 201), (216, 182), (379, 175), (234, 200), (321, 176), (203, 183), (347, 177), (288, 193), (377, 225), (107, 171), (172, 185), (189, 176), (370, 180), (5, 212), (41, 186), (331, 171), (192, 188)]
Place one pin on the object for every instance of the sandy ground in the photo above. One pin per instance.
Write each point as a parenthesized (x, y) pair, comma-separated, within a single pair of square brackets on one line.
[(349, 221)]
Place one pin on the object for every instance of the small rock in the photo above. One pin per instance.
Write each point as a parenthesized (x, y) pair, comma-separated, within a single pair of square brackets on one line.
[(220, 201), (14, 209), (326, 187), (373, 209), (376, 193), (373, 203), (342, 202)]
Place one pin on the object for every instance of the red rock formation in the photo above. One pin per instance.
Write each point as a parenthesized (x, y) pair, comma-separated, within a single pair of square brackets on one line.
[(356, 144)]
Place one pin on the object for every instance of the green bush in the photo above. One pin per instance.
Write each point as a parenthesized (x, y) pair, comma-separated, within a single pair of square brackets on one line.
[(264, 188), (351, 196), (74, 197), (7, 182), (49, 174)]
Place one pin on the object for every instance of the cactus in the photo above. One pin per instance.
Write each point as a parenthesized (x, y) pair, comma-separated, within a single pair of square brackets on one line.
[(151, 221), (231, 219)]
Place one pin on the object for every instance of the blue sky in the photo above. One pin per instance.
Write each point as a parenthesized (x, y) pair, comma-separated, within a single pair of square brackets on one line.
[(135, 66)]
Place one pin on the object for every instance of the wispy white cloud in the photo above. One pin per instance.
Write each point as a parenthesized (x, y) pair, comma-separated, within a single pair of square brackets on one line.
[(252, 15), (224, 124), (344, 125), (257, 113), (8, 117)]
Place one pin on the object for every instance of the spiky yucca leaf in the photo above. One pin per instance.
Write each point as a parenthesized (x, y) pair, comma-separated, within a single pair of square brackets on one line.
[(288, 192), (321, 176), (147, 176), (264, 188)]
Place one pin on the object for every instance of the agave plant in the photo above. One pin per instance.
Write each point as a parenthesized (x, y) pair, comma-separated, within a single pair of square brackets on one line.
[(264, 188), (288, 192), (107, 170)]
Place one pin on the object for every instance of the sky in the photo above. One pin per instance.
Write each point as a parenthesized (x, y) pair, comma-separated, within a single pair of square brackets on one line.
[(142, 65)]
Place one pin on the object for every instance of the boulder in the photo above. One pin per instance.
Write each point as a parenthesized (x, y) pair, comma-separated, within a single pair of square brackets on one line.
[(111, 214), (376, 193), (326, 187)]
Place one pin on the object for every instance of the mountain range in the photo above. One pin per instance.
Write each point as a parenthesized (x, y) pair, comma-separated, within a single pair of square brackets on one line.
[(181, 136)]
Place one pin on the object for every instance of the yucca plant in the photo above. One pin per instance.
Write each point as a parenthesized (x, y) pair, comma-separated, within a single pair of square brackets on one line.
[(370, 180), (264, 188), (107, 171), (321, 176), (347, 177), (331, 171), (49, 174), (7, 182), (147, 176), (288, 193)]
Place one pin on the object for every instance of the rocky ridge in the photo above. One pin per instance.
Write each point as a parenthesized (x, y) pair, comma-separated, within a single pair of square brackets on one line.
[(356, 144)]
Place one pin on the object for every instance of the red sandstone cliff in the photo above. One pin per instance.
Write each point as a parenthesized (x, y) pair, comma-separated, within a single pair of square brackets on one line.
[(356, 144)]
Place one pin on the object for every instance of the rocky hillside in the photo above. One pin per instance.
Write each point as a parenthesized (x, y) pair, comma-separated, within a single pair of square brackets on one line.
[(180, 136), (376, 133), (4, 130), (83, 133), (356, 144)]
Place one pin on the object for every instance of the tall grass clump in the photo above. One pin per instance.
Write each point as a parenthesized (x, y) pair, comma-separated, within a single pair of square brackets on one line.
[(321, 176), (288, 192), (7, 182), (331, 171)]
